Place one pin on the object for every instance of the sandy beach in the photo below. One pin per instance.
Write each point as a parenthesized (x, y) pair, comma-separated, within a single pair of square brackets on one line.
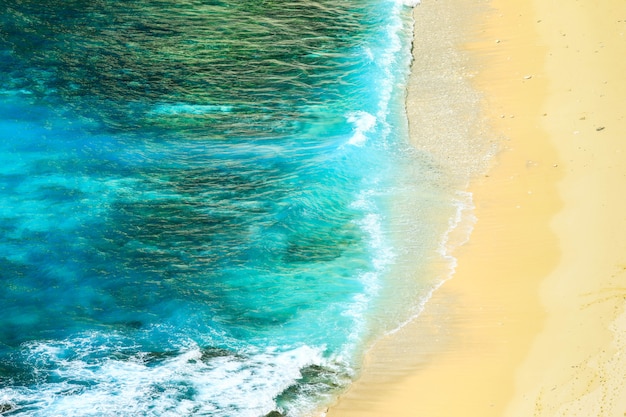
[(532, 323)]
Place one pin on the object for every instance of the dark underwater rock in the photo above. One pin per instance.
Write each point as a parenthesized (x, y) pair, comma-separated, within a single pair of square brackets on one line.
[(274, 413)]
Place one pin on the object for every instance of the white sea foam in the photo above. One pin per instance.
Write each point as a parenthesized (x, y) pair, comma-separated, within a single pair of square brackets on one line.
[(383, 53), (372, 225), (363, 123), (390, 60), (183, 384), (382, 256), (460, 227), (388, 53)]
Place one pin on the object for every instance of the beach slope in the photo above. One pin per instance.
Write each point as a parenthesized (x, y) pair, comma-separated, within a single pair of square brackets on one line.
[(532, 323)]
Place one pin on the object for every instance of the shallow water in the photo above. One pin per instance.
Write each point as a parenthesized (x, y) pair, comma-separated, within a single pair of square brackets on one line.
[(206, 207)]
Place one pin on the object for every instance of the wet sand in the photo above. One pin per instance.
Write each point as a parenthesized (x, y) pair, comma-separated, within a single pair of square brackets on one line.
[(532, 323)]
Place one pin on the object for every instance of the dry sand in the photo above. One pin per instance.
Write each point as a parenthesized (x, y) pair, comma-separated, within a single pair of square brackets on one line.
[(532, 322)]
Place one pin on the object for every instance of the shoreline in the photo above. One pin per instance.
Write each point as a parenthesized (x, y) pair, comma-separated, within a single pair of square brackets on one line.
[(532, 322)]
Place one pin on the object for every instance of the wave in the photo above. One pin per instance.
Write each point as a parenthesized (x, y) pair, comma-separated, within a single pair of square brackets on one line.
[(102, 375)]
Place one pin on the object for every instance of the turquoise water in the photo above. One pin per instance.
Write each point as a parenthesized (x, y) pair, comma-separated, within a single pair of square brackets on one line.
[(202, 203)]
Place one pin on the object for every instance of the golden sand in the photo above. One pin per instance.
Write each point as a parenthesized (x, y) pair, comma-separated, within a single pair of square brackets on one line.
[(532, 322)]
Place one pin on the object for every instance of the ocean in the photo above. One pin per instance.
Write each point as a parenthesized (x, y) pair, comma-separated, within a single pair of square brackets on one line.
[(208, 207)]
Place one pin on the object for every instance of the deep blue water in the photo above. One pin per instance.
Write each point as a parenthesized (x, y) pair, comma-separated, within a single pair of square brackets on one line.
[(197, 203)]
